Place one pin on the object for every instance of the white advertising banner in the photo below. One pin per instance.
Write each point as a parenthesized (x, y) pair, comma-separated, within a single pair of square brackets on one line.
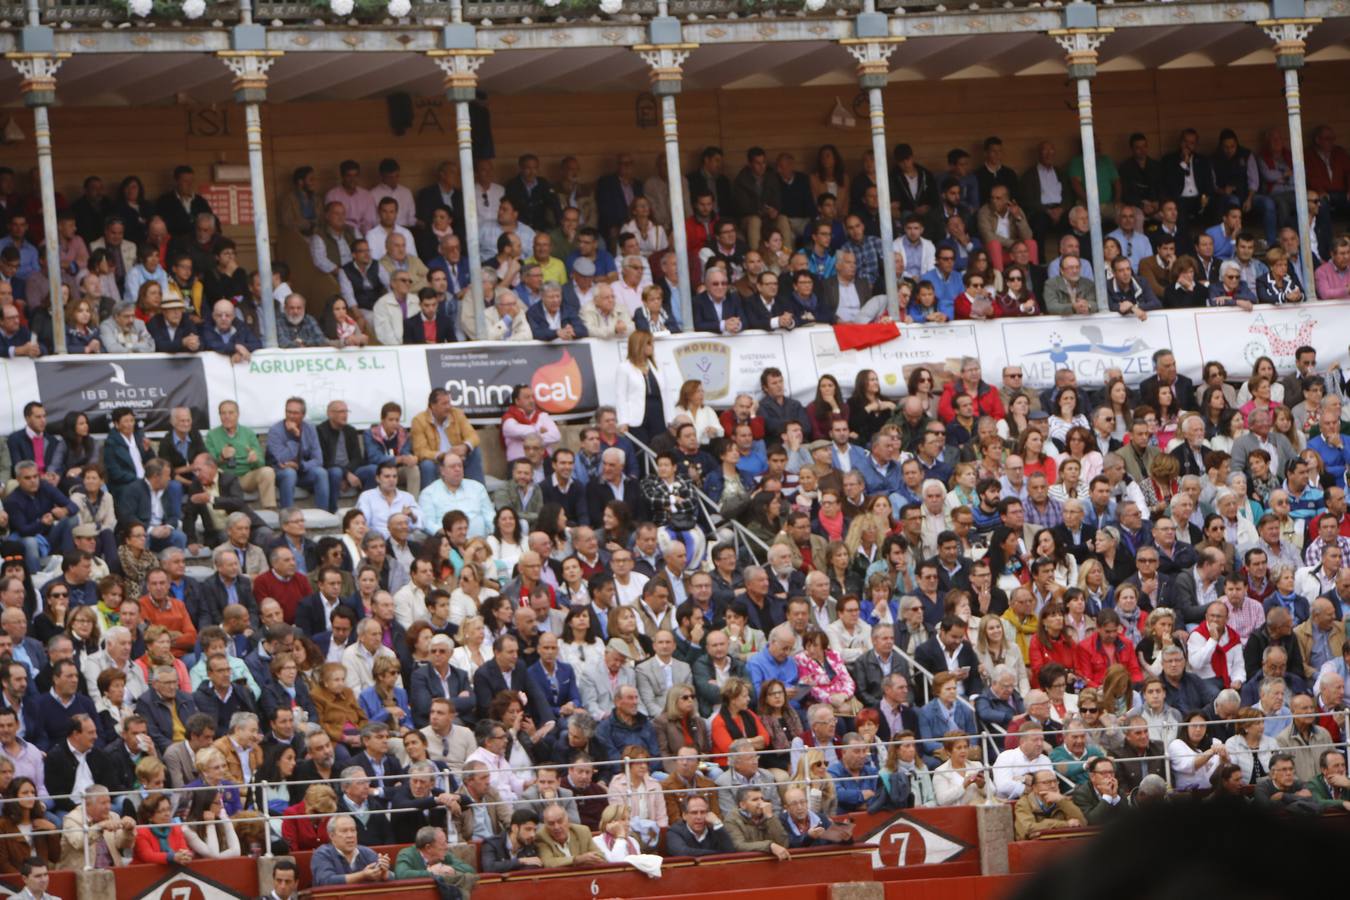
[(570, 379), (366, 378), (938, 347), (1090, 347)]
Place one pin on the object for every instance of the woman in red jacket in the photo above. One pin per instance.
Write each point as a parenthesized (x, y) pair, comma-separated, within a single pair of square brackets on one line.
[(1105, 648), (307, 834), (163, 842), (1052, 642)]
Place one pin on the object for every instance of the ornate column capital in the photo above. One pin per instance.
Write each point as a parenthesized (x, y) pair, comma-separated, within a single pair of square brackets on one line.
[(874, 58), (461, 71), (1289, 36), (666, 62), (1080, 48), (38, 71), (250, 72)]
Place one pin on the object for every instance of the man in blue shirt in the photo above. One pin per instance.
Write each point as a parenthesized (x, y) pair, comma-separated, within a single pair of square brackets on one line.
[(18, 239), (946, 281), (855, 777), (39, 514), (1226, 232), (819, 256), (774, 660), (293, 450), (343, 860), (1134, 244)]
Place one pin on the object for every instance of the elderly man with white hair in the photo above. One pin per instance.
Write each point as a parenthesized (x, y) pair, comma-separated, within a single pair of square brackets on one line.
[(1015, 769), (359, 658), (603, 317), (116, 654), (92, 835), (935, 515)]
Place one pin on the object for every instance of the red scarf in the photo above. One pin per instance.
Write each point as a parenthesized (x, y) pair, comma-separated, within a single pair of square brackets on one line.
[(1219, 662), (516, 414)]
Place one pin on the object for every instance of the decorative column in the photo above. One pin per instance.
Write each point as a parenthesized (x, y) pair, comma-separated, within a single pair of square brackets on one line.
[(873, 55), (250, 89), (1290, 52), (39, 92), (665, 60), (460, 66), (1081, 46)]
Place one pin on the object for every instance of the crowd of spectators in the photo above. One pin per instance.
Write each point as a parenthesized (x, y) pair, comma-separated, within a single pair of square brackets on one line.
[(773, 248), (1072, 600)]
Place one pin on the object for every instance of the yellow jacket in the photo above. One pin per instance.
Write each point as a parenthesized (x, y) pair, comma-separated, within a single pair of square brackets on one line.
[(427, 444)]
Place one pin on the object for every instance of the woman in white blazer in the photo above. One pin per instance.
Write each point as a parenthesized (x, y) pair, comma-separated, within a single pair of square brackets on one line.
[(706, 423), (639, 406)]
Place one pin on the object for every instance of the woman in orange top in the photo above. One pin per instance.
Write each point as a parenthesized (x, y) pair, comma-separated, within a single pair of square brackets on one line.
[(163, 842), (735, 720), (1031, 447)]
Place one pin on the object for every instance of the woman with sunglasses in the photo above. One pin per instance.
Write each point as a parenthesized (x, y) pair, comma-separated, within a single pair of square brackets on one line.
[(1017, 298)]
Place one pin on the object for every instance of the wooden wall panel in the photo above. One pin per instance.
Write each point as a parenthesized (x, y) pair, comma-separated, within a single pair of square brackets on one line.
[(932, 116)]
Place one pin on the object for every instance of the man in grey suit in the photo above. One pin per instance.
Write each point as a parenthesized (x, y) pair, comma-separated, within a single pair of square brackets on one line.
[(180, 759), (597, 696), (848, 297), (743, 770), (1193, 586), (712, 669), (1260, 435), (659, 674), (871, 670)]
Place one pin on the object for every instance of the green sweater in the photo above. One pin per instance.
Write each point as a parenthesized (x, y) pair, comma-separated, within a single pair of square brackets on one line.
[(243, 441), (410, 864)]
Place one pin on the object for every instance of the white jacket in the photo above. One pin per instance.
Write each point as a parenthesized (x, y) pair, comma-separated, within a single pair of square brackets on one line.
[(631, 403), (389, 318)]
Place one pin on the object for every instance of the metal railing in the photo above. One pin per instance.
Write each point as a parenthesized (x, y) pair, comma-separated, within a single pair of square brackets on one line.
[(710, 509), (94, 12), (989, 765)]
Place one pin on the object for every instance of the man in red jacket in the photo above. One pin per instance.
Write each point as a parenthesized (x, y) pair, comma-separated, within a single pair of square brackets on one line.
[(1104, 649), (282, 583), (987, 400)]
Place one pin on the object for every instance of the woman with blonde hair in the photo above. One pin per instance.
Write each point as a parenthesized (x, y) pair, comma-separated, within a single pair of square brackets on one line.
[(385, 700), (650, 235), (905, 761), (82, 327), (640, 409), (680, 725), (996, 645), (813, 778), (469, 594), (615, 835), (301, 833), (863, 540), (472, 651), (635, 788), (624, 626)]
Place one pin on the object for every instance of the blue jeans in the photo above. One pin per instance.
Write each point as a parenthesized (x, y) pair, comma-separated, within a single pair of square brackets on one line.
[(473, 469), (40, 545), (1264, 204), (176, 538), (313, 476), (337, 478)]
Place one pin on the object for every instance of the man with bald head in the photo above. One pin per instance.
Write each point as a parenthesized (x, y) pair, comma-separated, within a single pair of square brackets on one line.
[(228, 335), (1321, 638)]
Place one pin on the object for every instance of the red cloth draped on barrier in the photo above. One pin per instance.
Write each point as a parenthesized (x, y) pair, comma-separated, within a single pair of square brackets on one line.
[(860, 337)]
